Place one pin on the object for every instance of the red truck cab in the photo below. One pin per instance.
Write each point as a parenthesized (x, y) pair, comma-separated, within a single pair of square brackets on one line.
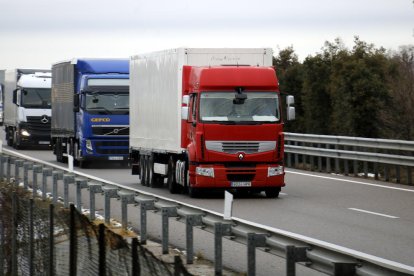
[(232, 129)]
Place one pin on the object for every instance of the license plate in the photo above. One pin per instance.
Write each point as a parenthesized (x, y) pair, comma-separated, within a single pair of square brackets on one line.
[(116, 158), (44, 142), (241, 184)]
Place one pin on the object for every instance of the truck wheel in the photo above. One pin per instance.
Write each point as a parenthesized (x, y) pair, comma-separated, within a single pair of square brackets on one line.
[(171, 181), (150, 171), (272, 192), (58, 150), (16, 140), (142, 170), (9, 137)]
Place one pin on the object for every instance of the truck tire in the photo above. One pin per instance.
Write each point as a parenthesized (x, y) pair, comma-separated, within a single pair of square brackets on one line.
[(16, 140), (9, 137), (272, 192), (171, 181), (154, 179), (59, 151), (142, 170), (150, 171)]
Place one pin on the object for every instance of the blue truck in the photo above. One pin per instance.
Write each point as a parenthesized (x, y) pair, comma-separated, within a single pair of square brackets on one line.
[(90, 110)]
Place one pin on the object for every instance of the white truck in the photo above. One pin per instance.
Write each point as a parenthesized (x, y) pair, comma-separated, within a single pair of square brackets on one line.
[(207, 119), (27, 107)]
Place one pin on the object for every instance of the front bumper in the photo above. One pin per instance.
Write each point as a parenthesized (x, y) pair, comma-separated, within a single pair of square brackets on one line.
[(100, 149), (238, 177)]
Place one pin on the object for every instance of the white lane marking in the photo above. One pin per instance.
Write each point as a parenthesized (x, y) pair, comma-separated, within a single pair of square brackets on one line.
[(283, 194), (352, 181), (373, 213)]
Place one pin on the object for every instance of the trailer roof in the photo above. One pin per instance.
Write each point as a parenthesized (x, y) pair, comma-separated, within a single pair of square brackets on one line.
[(99, 65)]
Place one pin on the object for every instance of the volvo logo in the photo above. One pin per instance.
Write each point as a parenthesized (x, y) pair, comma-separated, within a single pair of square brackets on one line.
[(44, 119), (116, 131), (241, 156)]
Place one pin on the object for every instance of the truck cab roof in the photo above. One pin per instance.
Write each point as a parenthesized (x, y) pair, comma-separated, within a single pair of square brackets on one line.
[(100, 66)]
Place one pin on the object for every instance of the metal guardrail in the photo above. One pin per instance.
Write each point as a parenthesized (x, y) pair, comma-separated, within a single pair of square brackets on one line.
[(315, 254), (366, 154)]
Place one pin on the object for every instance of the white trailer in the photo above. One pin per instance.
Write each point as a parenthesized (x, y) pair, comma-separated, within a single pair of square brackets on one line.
[(156, 82)]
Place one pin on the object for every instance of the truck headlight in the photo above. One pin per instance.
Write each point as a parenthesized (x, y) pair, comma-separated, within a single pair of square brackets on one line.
[(205, 171), (24, 132), (89, 145), (273, 171)]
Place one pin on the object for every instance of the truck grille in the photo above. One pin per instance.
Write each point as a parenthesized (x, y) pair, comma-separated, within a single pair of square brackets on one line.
[(112, 147), (232, 147), (110, 130), (38, 124)]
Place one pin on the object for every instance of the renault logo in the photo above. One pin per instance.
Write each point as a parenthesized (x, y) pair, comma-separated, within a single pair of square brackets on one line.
[(241, 156), (44, 119)]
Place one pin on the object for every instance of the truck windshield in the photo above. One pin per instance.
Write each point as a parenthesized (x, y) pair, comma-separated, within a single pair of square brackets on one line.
[(107, 102), (35, 98), (258, 107)]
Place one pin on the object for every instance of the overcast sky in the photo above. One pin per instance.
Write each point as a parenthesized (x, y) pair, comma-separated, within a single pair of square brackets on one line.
[(38, 33)]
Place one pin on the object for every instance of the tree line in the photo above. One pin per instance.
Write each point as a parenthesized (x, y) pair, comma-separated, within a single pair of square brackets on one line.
[(363, 91)]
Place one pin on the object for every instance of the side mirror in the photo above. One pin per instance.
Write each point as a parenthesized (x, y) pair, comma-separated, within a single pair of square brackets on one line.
[(15, 96), (76, 103), (291, 112), (290, 100), (186, 99), (184, 113)]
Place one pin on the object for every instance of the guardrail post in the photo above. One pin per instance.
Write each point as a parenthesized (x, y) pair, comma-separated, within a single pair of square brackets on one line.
[(293, 255), (126, 197), (67, 179), (17, 165), (94, 188), (36, 170), (398, 174), (253, 240), (220, 230), (46, 172), (376, 170), (289, 157), (190, 221), (55, 177), (386, 173), (355, 170), (319, 160), (328, 161), (337, 171), (26, 167), (344, 269), (365, 169), (80, 184), (346, 167), (109, 192), (409, 176), (296, 156), (166, 213), (145, 205)]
